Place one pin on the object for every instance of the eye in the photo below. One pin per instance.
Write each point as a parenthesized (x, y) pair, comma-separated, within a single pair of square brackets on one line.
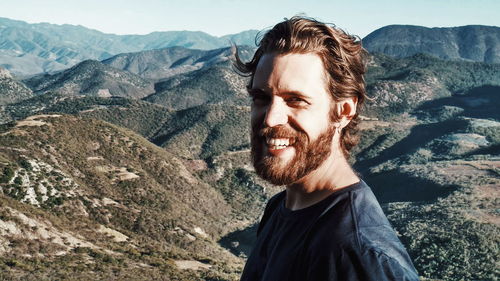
[(296, 101), (260, 98)]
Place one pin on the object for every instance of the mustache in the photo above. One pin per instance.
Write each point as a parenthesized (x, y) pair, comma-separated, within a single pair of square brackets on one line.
[(280, 131), (277, 132)]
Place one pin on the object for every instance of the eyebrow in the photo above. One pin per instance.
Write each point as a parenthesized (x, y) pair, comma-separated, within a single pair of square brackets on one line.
[(257, 91), (294, 93)]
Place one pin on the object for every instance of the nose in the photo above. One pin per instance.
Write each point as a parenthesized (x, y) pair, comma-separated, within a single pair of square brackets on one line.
[(276, 114)]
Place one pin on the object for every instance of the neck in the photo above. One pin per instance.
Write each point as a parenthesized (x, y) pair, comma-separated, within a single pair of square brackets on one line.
[(334, 174)]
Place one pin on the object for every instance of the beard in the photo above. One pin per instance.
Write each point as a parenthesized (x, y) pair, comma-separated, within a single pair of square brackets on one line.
[(307, 158)]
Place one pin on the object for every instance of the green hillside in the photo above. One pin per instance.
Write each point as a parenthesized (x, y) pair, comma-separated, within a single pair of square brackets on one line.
[(217, 84), (87, 180), (205, 131), (92, 78), (397, 86)]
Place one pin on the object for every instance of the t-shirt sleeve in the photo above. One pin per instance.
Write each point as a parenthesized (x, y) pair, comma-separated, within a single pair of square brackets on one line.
[(353, 265)]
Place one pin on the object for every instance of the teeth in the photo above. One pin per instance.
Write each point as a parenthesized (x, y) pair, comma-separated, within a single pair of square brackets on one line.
[(278, 143), (278, 146)]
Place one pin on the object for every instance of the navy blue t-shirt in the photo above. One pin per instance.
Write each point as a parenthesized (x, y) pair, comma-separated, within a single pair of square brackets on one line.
[(346, 236)]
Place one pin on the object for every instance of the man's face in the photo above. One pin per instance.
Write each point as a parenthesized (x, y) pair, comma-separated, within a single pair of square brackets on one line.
[(291, 125)]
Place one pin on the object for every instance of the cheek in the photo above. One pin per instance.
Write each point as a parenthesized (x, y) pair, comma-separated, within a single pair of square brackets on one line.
[(312, 123)]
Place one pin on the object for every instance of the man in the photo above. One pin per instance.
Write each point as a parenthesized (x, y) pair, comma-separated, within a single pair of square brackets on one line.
[(307, 87)]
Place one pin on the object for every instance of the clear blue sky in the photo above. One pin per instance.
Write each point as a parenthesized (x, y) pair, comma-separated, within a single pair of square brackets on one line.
[(220, 17)]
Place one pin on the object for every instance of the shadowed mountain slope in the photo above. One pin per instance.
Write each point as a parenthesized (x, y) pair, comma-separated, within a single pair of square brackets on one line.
[(99, 185), (471, 42), (205, 131), (396, 86), (217, 84), (92, 78), (167, 62)]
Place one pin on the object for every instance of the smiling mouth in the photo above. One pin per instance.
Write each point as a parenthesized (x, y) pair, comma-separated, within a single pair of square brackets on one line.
[(279, 143)]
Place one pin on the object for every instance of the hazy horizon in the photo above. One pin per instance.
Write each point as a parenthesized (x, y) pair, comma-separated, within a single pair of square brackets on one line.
[(223, 17)]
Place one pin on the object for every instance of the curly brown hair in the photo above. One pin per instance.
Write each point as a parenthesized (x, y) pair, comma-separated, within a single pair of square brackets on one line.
[(342, 55)]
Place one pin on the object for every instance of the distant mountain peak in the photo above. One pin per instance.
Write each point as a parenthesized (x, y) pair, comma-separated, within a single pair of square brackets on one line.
[(471, 42), (27, 49)]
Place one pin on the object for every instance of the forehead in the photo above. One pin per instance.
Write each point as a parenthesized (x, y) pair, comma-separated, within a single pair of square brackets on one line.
[(290, 72)]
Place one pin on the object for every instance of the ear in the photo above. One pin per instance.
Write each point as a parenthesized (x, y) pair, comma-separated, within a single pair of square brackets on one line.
[(346, 109)]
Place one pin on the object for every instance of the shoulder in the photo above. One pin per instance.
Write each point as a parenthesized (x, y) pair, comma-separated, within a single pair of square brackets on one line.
[(357, 211), (348, 262), (350, 211), (355, 231), (374, 263)]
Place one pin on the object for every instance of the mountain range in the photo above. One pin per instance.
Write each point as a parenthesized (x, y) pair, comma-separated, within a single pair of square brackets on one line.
[(137, 167), (471, 42), (212, 80), (27, 49), (92, 78), (160, 64)]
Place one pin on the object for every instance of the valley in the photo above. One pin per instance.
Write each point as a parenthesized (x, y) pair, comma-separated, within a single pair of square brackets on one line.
[(137, 166)]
